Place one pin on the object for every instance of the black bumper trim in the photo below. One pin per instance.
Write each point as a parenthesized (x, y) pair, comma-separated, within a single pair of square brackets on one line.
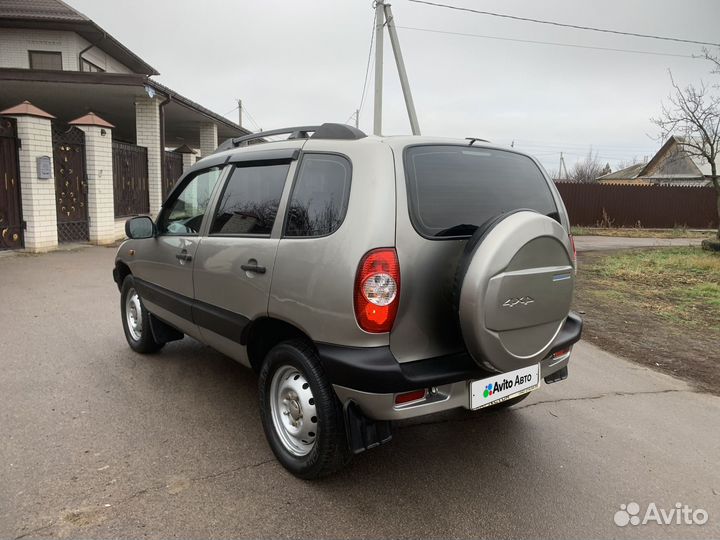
[(376, 370)]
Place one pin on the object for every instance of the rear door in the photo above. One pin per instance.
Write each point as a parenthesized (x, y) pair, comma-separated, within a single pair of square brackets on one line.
[(234, 262), (447, 191), (163, 265)]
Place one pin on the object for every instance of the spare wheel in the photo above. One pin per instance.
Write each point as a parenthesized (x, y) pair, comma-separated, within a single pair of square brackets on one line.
[(514, 286)]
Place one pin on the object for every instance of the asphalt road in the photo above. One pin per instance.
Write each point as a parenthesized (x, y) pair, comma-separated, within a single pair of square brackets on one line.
[(99, 442)]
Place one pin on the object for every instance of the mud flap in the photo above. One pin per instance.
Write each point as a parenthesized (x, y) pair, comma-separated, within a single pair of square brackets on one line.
[(559, 375), (163, 332), (364, 433)]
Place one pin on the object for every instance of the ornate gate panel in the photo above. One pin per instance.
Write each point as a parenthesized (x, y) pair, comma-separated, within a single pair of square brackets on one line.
[(130, 179), (173, 171), (70, 184), (11, 224)]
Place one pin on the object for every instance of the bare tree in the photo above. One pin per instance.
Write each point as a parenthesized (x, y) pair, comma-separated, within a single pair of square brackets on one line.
[(692, 114), (710, 56), (588, 169)]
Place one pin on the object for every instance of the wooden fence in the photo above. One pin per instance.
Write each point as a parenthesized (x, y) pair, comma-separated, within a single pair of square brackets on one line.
[(592, 205)]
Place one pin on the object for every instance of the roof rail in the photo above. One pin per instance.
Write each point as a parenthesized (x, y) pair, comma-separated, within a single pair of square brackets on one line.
[(324, 131)]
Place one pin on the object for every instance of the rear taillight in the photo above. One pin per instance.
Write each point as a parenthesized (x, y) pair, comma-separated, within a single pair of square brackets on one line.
[(572, 243), (377, 290)]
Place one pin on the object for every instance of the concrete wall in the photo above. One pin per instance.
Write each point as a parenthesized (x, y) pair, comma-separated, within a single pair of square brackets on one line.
[(16, 42)]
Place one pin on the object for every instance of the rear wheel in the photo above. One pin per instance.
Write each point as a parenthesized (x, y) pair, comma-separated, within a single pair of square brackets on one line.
[(136, 320), (301, 416)]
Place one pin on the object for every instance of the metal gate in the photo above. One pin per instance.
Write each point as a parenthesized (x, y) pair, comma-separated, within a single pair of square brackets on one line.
[(11, 224), (173, 171), (130, 179), (70, 183)]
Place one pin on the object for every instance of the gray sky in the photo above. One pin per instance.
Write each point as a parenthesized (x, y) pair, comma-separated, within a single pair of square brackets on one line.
[(303, 61)]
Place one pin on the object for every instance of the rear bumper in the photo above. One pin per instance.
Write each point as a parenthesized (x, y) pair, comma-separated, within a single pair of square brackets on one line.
[(372, 376)]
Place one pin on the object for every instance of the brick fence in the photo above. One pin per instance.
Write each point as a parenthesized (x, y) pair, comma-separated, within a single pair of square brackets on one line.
[(646, 206)]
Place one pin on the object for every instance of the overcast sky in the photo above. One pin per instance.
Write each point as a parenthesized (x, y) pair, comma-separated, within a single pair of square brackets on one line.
[(303, 61)]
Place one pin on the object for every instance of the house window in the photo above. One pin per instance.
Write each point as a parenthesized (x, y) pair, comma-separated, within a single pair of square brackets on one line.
[(87, 66), (45, 60)]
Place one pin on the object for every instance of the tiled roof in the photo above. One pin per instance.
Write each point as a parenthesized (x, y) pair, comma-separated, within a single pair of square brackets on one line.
[(42, 10)]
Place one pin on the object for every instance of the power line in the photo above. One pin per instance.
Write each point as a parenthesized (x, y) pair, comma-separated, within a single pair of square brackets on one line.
[(367, 72), (553, 23), (231, 111), (546, 42), (252, 118)]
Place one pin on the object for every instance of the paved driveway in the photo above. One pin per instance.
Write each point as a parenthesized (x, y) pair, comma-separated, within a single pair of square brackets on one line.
[(597, 243), (98, 442)]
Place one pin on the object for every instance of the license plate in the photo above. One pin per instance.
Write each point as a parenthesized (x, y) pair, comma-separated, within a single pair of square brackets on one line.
[(504, 386)]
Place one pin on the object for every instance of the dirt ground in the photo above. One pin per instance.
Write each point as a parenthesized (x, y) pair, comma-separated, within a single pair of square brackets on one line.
[(617, 324)]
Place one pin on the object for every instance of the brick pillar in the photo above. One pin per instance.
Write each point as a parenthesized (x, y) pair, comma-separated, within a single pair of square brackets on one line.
[(147, 134), (34, 130), (188, 156), (208, 138), (98, 159)]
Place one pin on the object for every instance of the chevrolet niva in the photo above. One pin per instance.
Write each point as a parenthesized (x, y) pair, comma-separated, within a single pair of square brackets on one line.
[(365, 279)]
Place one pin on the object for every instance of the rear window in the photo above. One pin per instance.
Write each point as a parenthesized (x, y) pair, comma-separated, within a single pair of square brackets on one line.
[(452, 190)]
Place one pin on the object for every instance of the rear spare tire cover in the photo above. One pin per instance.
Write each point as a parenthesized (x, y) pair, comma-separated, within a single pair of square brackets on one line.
[(516, 281)]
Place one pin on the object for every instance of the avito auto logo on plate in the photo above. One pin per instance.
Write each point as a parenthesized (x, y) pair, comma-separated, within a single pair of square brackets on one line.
[(504, 386)]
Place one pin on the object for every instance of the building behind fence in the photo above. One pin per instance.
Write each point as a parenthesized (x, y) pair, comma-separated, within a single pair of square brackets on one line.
[(591, 205)]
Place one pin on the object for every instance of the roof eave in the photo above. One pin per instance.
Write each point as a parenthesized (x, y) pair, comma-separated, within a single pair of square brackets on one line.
[(92, 33)]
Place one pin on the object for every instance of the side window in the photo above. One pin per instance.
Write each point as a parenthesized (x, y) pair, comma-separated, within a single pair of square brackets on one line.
[(320, 197), (185, 214), (250, 201)]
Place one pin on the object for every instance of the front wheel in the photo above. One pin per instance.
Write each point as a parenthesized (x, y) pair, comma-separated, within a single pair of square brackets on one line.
[(301, 416), (136, 320)]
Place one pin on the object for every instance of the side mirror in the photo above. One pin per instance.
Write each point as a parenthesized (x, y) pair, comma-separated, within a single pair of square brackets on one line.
[(140, 227)]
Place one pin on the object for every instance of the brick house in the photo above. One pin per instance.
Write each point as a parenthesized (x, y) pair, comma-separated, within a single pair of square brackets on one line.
[(87, 137)]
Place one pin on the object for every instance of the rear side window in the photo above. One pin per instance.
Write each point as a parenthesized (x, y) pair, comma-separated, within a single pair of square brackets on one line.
[(319, 199), (250, 200), (452, 190)]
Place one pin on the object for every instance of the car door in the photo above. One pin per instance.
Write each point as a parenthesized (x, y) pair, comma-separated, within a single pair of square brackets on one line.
[(163, 269), (234, 262)]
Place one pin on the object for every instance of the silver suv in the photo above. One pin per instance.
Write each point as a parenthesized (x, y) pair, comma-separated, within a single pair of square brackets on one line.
[(365, 279)]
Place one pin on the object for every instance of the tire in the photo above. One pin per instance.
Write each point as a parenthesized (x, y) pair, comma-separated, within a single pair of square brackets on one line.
[(507, 403), (306, 429), (137, 332)]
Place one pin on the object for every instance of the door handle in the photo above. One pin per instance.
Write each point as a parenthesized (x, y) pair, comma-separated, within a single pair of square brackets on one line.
[(183, 257), (253, 268)]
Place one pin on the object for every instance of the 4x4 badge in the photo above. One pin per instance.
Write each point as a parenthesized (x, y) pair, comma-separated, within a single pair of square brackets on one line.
[(523, 300)]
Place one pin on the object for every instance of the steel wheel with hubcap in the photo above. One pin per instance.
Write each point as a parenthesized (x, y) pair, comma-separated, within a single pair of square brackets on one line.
[(293, 410), (133, 314), (136, 319), (302, 418)]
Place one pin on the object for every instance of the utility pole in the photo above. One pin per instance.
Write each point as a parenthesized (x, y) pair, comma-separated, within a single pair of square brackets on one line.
[(395, 42), (379, 21), (562, 166), (239, 112), (383, 14)]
